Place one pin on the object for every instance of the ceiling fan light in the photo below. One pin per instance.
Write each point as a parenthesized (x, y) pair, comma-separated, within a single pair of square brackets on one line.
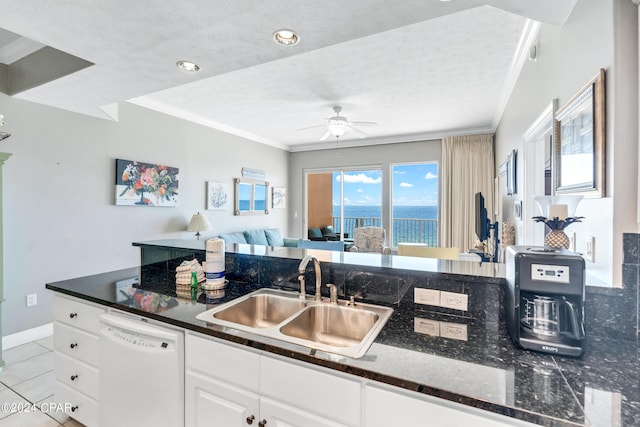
[(286, 37), (337, 130)]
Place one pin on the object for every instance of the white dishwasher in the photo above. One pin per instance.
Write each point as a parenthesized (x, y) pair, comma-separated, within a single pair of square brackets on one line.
[(141, 373)]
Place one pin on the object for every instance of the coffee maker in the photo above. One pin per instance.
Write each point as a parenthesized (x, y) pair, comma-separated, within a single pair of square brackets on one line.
[(545, 299)]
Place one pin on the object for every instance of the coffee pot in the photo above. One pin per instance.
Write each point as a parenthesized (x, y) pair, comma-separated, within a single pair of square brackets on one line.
[(544, 306), (547, 316)]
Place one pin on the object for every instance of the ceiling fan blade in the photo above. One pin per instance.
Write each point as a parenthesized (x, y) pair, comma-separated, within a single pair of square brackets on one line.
[(358, 132), (313, 127), (363, 123), (326, 135)]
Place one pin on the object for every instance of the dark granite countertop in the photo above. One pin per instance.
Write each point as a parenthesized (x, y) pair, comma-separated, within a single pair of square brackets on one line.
[(484, 371), (362, 259)]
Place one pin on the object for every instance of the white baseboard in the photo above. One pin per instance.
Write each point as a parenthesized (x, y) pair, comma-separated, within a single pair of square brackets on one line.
[(23, 337)]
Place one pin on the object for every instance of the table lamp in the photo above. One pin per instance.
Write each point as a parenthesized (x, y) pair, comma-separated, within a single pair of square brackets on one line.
[(198, 223)]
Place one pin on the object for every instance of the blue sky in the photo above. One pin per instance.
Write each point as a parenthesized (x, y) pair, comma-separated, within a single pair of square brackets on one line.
[(413, 185)]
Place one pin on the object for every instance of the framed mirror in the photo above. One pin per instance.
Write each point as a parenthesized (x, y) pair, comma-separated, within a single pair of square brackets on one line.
[(580, 142), (251, 197)]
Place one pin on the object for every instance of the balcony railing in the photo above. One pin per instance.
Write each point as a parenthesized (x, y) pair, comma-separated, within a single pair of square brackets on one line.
[(405, 230)]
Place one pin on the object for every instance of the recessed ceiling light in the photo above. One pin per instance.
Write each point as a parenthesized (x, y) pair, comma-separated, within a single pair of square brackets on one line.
[(286, 37), (189, 66)]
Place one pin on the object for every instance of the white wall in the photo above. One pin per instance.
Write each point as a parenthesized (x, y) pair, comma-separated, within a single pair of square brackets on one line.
[(599, 34), (60, 220), (383, 155)]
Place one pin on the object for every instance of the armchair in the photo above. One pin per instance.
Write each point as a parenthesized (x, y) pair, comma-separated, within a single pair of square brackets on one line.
[(315, 233), (370, 239)]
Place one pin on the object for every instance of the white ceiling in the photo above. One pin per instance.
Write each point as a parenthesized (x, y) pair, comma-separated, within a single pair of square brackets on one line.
[(419, 68)]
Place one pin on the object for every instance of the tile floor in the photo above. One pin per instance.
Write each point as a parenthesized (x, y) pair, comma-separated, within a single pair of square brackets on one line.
[(28, 377)]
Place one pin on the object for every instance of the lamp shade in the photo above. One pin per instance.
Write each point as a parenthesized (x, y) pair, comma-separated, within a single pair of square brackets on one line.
[(558, 206), (198, 223)]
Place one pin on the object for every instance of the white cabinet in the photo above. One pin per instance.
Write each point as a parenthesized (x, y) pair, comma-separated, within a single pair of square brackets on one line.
[(387, 407), (212, 402), (279, 414), (312, 389), (228, 386), (76, 345)]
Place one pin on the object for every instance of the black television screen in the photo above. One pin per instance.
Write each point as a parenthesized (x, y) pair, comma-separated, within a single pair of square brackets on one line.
[(482, 223)]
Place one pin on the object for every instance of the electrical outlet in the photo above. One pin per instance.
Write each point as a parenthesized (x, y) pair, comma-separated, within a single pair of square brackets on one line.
[(426, 296), (456, 331), (427, 327), (590, 253), (454, 300), (32, 299)]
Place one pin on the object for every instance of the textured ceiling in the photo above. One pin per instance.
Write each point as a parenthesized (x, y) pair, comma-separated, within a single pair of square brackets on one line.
[(419, 68)]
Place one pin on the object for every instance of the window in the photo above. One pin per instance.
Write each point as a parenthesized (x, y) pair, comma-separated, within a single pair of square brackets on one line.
[(414, 205)]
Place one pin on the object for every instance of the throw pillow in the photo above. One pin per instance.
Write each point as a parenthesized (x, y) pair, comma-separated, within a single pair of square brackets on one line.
[(314, 233), (256, 237), (274, 237), (328, 230), (233, 238)]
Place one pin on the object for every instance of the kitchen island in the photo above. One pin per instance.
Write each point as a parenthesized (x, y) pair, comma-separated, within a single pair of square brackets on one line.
[(481, 369)]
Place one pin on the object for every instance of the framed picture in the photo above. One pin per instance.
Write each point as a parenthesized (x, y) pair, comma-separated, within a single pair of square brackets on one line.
[(219, 196), (510, 164), (146, 184), (579, 166), (251, 197), (278, 197)]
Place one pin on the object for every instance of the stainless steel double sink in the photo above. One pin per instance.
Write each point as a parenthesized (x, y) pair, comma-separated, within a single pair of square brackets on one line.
[(343, 329)]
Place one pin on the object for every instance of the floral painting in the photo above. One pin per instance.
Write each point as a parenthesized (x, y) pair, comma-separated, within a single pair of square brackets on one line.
[(146, 184), (218, 196)]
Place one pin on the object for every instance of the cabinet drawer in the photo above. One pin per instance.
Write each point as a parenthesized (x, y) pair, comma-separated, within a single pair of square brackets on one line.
[(222, 361), (333, 396), (82, 408), (75, 343), (78, 314), (77, 375)]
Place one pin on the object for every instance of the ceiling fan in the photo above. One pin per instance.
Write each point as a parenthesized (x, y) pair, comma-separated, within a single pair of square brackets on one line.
[(339, 125)]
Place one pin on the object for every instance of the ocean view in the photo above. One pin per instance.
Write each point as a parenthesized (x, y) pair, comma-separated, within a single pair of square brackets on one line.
[(417, 224)]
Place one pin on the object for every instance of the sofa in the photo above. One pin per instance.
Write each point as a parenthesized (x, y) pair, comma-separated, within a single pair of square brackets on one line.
[(260, 236)]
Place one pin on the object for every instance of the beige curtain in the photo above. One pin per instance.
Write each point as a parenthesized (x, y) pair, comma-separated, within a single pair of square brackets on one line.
[(467, 167)]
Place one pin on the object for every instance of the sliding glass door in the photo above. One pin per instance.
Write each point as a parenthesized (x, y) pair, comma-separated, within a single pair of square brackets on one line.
[(344, 198)]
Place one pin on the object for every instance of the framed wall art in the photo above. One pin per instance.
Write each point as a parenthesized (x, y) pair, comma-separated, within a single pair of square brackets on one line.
[(146, 184), (278, 197), (510, 170), (219, 196), (251, 196), (579, 166)]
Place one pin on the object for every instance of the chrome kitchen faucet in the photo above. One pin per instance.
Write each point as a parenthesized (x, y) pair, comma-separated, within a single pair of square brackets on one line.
[(301, 269)]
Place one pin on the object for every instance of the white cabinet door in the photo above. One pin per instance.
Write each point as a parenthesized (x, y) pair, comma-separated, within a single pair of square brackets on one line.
[(315, 390), (209, 402), (385, 408), (277, 414)]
